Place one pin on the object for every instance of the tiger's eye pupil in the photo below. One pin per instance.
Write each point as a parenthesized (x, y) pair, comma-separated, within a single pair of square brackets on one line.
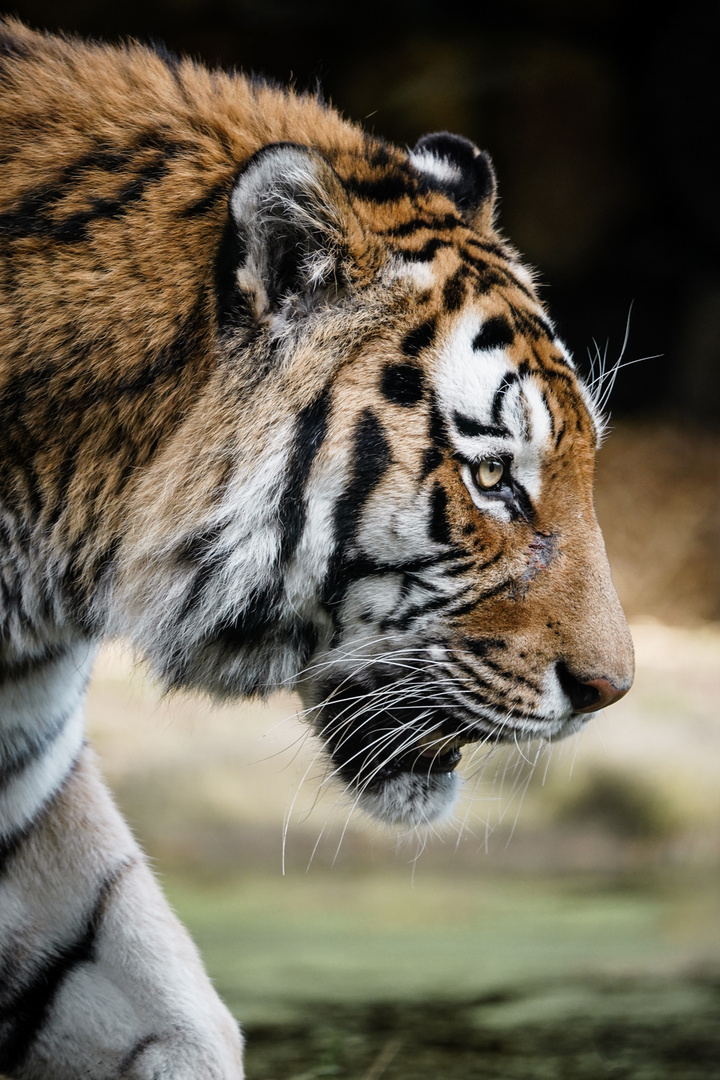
[(489, 472)]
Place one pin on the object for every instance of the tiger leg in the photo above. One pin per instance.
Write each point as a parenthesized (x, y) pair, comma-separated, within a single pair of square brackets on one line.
[(97, 976)]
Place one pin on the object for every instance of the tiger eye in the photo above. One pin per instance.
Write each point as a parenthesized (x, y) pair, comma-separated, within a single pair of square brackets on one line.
[(488, 473)]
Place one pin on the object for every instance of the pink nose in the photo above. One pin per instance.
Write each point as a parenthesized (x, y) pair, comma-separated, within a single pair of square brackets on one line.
[(607, 694), (589, 695)]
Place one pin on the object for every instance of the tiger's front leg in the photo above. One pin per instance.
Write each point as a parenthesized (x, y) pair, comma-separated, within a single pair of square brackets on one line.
[(98, 978)]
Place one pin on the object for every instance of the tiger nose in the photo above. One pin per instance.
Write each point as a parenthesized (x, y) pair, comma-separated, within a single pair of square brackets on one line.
[(591, 694)]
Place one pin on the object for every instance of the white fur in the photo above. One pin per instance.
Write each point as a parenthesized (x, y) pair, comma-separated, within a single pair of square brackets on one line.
[(410, 799), (467, 381), (420, 275), (438, 167), (32, 707), (23, 796)]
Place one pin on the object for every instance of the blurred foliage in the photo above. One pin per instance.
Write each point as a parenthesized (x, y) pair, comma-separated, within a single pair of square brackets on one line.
[(599, 116), (624, 806), (629, 1029)]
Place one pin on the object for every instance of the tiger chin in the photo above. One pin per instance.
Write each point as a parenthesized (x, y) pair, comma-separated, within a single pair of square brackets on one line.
[(281, 407)]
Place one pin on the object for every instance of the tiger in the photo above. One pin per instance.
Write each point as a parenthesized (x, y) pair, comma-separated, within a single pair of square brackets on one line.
[(280, 406)]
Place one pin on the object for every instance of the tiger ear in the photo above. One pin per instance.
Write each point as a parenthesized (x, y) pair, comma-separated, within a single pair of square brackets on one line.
[(286, 235), (455, 166)]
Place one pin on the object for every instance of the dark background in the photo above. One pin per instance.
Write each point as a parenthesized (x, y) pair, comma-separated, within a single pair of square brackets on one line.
[(601, 117)]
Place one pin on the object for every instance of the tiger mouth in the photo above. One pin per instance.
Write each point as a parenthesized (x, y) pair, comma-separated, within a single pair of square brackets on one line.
[(436, 753), (367, 756)]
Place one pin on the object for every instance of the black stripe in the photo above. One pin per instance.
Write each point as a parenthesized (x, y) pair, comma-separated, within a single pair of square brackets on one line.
[(535, 327), (371, 456), (477, 699), (133, 1056), (472, 428), (438, 525), (31, 749), (101, 570), (207, 201), (28, 217), (378, 152), (246, 627), (28, 392), (464, 609), (490, 562), (463, 566), (12, 670), (259, 613), (449, 221), (31, 215), (310, 433), (496, 333), (487, 279), (520, 504), (551, 415), (509, 677), (413, 571), (432, 458), (488, 594), (419, 338), (23, 1013), (427, 252), (481, 646), (403, 384), (454, 290), (10, 845), (438, 428), (382, 189), (499, 398), (402, 622), (512, 676), (195, 548), (233, 306), (75, 228), (476, 680), (201, 549), (209, 569), (489, 246)]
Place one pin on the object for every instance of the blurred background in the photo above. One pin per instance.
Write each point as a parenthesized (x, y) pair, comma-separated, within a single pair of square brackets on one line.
[(576, 896)]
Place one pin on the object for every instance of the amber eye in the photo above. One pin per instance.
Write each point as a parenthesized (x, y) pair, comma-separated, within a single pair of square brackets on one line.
[(488, 473)]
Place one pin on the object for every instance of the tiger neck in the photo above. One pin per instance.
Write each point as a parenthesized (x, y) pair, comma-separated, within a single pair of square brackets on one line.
[(41, 729)]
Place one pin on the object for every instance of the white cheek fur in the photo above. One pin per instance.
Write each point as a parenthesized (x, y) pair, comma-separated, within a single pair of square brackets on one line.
[(468, 382)]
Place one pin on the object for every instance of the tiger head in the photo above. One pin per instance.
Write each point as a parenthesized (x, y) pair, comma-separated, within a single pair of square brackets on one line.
[(396, 460)]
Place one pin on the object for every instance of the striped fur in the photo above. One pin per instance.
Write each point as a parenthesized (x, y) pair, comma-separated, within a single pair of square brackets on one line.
[(254, 366)]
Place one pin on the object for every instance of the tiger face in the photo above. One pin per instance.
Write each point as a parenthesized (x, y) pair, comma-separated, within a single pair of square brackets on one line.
[(405, 530)]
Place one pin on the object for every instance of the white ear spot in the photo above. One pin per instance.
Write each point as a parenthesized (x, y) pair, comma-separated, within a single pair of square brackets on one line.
[(439, 168)]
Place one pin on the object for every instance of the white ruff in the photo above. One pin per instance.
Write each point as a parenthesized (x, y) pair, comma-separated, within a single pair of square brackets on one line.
[(23, 796), (45, 707)]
